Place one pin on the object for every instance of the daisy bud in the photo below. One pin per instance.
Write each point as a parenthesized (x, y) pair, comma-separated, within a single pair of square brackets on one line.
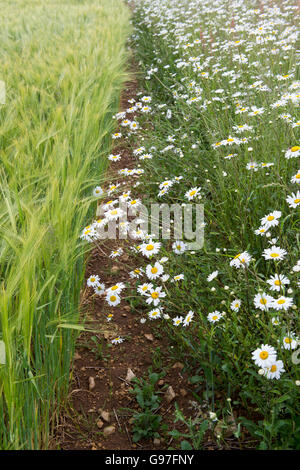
[(261, 371)]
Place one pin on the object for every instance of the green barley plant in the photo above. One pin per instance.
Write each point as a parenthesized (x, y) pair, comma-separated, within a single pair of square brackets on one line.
[(63, 63)]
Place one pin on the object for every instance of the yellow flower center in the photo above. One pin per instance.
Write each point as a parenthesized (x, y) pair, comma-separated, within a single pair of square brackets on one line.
[(271, 217), (113, 298), (274, 255), (114, 287), (114, 212), (149, 247), (154, 270), (93, 279), (277, 283), (281, 301), (155, 295), (192, 193), (263, 301), (215, 317), (264, 355), (295, 148), (288, 340), (273, 368), (296, 201)]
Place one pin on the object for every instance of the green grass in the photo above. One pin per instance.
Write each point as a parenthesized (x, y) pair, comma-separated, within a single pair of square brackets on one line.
[(63, 63)]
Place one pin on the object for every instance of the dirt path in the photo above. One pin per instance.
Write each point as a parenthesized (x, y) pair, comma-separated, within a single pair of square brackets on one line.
[(96, 417)]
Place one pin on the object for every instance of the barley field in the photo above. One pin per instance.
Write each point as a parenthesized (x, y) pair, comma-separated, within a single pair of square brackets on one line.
[(63, 64)]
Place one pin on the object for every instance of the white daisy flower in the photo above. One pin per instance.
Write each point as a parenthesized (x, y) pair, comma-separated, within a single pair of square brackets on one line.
[(112, 299), (275, 253), (235, 305), (290, 342), (271, 220), (93, 280), (277, 281), (264, 356), (154, 295), (99, 289), (150, 248), (155, 271), (282, 303), (98, 191), (263, 301), (293, 200), (177, 321), (179, 247), (241, 260), (188, 318), (293, 152), (143, 288), (214, 317), (275, 370), (154, 314), (117, 340)]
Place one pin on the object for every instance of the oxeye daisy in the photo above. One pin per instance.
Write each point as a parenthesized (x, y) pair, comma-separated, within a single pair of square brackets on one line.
[(275, 370), (114, 214), (93, 280), (282, 303), (165, 277), (241, 260), (188, 318), (293, 200), (271, 220), (179, 247), (192, 193), (155, 271), (98, 191), (143, 288), (262, 231), (214, 317), (264, 356), (177, 321), (117, 340), (275, 253), (154, 295), (212, 276), (154, 314), (112, 299), (136, 273), (290, 342), (293, 152), (109, 317), (150, 248), (235, 305), (116, 288), (116, 253), (178, 277), (114, 158), (296, 178), (263, 301), (277, 281), (117, 135), (99, 289)]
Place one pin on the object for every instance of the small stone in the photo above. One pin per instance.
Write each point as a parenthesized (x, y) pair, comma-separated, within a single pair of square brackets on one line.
[(178, 365), (183, 392), (115, 269), (100, 423), (109, 430), (130, 375), (149, 337), (105, 416), (156, 441), (161, 382), (77, 356), (170, 394), (92, 384)]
